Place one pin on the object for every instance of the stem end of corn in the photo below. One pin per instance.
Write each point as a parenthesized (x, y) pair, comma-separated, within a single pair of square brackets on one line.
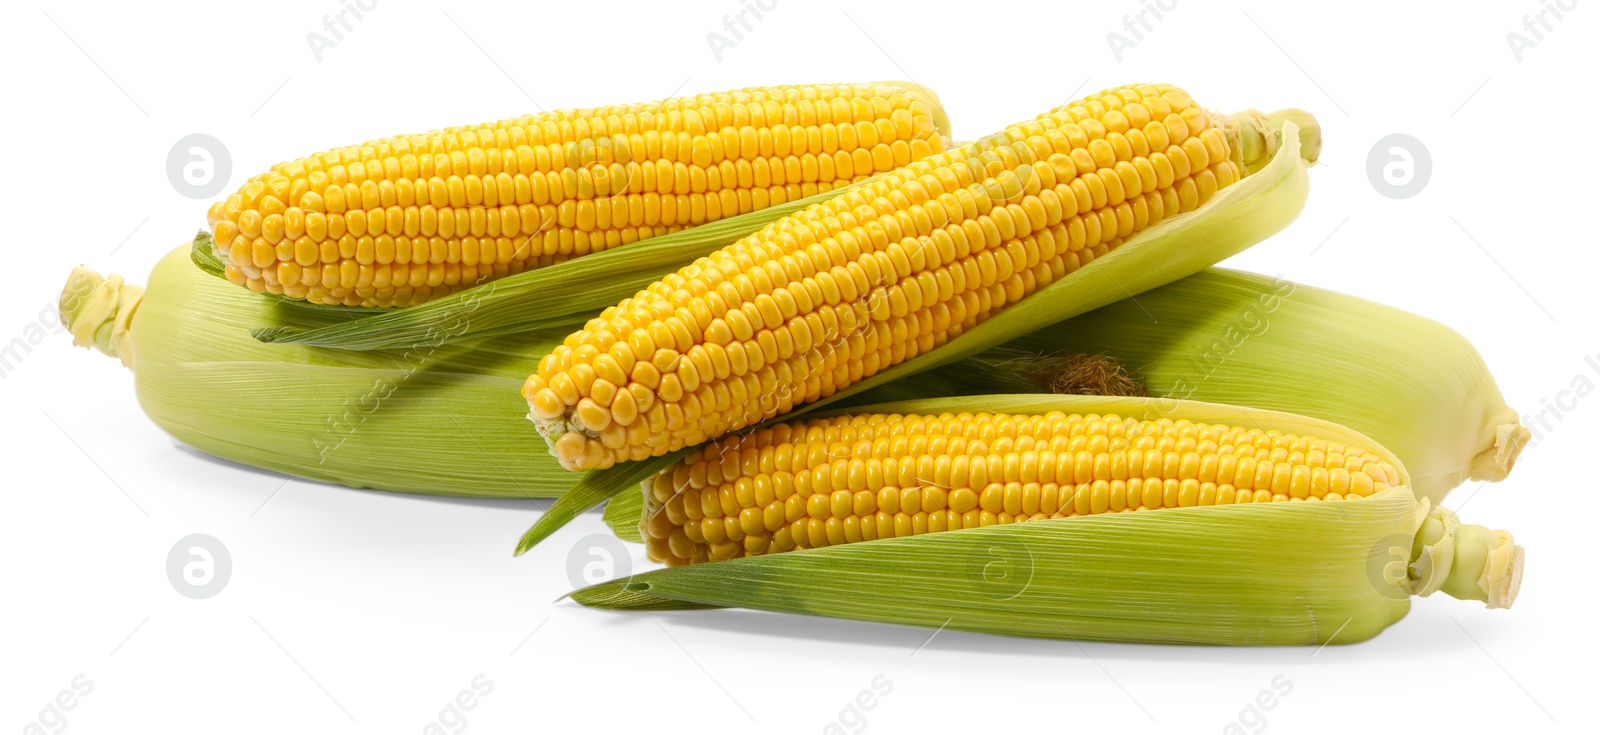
[(1306, 126), (1256, 136), (1494, 463), (1500, 576), (97, 310), (1465, 561)]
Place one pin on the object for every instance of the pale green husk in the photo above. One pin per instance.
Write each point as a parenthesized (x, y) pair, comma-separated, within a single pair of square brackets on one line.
[(1237, 217), (1277, 573), (1414, 385), (1258, 574), (429, 418)]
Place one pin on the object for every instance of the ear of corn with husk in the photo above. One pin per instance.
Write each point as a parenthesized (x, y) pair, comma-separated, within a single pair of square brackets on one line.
[(1234, 218), (432, 418), (1284, 572)]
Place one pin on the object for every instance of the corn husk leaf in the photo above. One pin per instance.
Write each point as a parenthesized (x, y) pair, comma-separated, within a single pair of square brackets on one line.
[(1289, 573), (622, 515), (1234, 219), (1259, 574), (590, 490)]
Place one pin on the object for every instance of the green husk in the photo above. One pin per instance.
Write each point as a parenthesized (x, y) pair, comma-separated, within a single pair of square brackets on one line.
[(1260, 574), (544, 298), (429, 418), (1131, 577), (622, 515), (593, 489), (1237, 217), (1412, 384)]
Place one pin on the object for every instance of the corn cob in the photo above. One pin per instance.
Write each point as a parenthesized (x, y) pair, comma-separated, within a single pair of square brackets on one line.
[(880, 274), (401, 220), (1289, 570), (861, 477), (431, 418)]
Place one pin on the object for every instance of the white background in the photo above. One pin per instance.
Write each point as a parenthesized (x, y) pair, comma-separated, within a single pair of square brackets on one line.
[(353, 611)]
